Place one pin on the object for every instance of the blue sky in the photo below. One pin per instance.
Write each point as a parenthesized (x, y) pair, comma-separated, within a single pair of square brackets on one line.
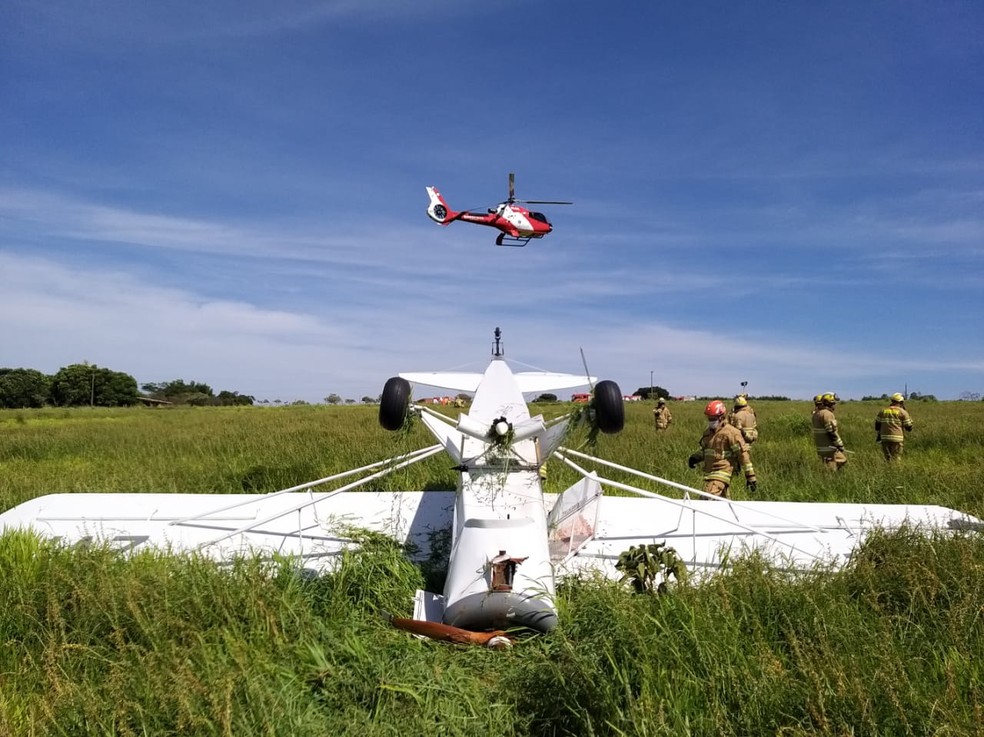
[(789, 194)]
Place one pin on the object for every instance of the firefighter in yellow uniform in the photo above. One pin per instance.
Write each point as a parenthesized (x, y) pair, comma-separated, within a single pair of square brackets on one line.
[(743, 417), (723, 451), (830, 447), (661, 414), (891, 425)]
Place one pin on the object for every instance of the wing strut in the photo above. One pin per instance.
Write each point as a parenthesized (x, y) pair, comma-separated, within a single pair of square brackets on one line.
[(683, 487), (678, 503), (299, 487), (421, 455)]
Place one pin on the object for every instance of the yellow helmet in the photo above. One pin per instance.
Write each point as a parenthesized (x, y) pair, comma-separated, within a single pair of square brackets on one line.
[(740, 401), (897, 398), (817, 400), (829, 398)]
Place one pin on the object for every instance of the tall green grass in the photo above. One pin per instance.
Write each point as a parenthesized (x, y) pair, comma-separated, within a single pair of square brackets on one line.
[(92, 643)]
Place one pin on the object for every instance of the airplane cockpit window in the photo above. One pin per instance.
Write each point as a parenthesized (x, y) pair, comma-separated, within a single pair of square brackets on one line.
[(540, 216)]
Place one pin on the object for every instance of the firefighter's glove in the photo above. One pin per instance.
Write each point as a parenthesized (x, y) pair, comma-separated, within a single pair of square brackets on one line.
[(694, 459), (751, 484)]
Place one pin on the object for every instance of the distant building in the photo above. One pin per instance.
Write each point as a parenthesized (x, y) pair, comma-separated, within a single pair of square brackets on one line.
[(151, 402)]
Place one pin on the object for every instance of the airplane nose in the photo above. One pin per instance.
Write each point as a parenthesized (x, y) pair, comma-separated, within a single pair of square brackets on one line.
[(501, 610)]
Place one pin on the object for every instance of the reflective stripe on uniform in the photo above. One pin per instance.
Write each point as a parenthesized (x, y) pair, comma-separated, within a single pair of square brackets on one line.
[(724, 476)]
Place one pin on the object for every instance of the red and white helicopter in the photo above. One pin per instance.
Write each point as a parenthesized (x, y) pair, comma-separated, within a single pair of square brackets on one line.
[(507, 541), (518, 225)]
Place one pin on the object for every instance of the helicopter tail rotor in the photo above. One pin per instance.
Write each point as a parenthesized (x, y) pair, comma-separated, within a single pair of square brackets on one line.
[(438, 209)]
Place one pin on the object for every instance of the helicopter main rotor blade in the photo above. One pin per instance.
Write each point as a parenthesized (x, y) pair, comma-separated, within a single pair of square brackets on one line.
[(543, 202), (479, 210), (512, 187)]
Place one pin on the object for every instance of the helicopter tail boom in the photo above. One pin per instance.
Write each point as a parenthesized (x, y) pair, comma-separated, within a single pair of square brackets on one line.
[(438, 210)]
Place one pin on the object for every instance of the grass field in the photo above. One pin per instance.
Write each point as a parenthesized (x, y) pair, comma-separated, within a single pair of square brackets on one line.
[(94, 644)]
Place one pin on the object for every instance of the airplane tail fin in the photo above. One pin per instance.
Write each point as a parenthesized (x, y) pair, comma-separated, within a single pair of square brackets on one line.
[(438, 210)]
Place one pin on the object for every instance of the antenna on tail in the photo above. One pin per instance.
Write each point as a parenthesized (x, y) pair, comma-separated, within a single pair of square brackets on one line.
[(587, 374)]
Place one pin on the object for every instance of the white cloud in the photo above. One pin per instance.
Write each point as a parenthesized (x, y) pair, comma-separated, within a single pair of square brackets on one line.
[(53, 315)]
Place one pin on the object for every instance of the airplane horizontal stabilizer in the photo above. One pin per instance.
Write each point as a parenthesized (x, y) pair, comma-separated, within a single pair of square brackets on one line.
[(529, 381)]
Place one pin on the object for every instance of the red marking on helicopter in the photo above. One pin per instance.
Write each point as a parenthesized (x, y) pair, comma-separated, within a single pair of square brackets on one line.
[(517, 225)]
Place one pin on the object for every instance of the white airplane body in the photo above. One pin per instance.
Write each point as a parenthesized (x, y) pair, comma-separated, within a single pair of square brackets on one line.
[(509, 541)]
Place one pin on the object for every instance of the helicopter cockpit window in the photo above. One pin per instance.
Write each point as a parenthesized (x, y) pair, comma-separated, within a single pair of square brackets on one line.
[(540, 216)]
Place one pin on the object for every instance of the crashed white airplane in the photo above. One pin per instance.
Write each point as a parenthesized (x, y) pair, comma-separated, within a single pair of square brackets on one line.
[(509, 541)]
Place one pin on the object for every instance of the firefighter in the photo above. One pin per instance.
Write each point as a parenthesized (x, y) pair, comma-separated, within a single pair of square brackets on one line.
[(661, 414), (723, 451), (830, 447), (743, 417), (891, 424)]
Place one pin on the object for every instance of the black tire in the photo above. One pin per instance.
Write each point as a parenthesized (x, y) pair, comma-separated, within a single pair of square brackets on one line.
[(609, 407), (394, 403)]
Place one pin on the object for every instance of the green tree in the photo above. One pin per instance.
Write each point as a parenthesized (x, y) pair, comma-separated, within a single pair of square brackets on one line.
[(22, 387), (234, 399), (333, 399), (182, 392), (83, 384), (118, 389), (657, 392)]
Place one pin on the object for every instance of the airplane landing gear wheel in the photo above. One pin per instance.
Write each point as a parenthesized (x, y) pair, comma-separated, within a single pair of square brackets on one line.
[(609, 407), (394, 403)]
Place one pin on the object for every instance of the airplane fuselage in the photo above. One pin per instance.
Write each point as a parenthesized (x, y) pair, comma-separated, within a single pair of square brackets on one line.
[(500, 573)]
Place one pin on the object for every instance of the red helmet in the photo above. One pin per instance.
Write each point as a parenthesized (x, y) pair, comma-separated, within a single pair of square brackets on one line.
[(715, 408)]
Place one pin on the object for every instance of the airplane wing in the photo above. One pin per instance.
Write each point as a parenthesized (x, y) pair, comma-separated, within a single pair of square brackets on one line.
[(456, 381), (793, 535), (589, 530), (529, 381), (544, 381), (315, 528)]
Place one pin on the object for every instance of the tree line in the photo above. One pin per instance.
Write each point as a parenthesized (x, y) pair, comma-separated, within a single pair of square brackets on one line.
[(88, 385)]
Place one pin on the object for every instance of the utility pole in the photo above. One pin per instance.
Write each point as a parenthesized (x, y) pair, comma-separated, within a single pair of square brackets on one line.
[(650, 384), (92, 389)]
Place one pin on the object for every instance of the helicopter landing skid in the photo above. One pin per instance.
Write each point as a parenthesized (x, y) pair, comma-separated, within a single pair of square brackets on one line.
[(507, 240)]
